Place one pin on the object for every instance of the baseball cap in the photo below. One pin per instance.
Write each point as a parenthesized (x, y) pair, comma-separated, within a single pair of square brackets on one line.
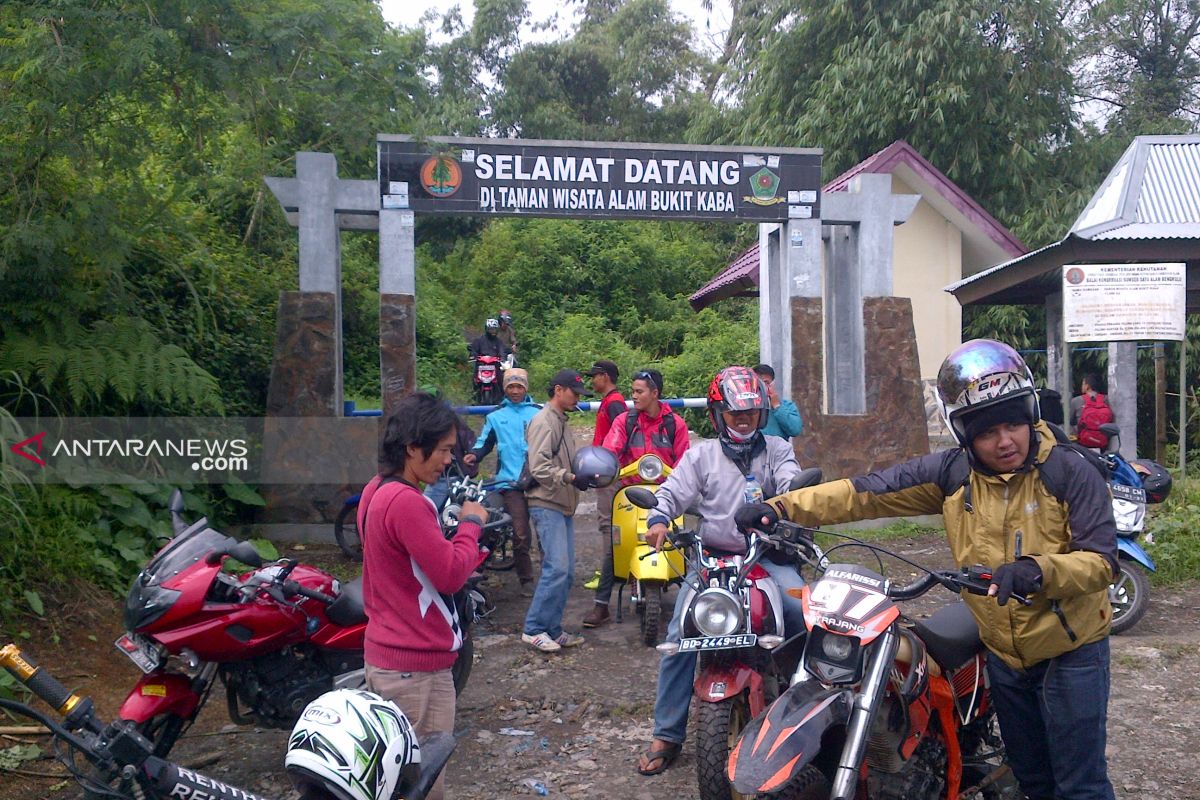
[(570, 379), (603, 366), (516, 375)]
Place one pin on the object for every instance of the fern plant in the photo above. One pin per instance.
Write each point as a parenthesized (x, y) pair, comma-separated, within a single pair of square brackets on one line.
[(116, 365)]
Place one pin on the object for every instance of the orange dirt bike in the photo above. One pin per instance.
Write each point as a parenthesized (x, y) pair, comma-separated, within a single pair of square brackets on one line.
[(881, 706)]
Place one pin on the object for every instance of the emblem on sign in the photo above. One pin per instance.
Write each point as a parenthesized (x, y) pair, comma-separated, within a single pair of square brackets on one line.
[(764, 184), (441, 176)]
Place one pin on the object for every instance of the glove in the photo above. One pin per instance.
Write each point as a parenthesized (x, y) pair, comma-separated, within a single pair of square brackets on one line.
[(582, 482), (1023, 577), (751, 517)]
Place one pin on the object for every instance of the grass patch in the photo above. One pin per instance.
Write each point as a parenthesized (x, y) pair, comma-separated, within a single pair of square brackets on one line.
[(1175, 526)]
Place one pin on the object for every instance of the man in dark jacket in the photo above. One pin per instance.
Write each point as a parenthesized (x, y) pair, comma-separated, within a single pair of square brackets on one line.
[(1040, 515), (489, 343)]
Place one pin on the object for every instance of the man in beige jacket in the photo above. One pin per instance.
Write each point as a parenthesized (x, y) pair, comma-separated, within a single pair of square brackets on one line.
[(552, 503)]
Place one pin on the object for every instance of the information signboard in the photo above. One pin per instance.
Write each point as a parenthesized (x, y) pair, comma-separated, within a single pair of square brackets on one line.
[(1123, 302), (598, 180)]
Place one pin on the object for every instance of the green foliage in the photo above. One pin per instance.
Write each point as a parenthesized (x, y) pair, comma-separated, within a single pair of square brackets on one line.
[(116, 366), (1175, 526), (100, 535)]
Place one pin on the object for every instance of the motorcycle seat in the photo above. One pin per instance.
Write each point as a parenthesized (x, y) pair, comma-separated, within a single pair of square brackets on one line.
[(950, 635), (348, 609)]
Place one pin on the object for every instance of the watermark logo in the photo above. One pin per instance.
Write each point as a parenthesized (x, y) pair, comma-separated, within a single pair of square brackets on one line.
[(21, 448)]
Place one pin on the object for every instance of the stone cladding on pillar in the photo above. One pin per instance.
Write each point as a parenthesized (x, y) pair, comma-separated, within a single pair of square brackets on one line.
[(894, 427), (397, 347)]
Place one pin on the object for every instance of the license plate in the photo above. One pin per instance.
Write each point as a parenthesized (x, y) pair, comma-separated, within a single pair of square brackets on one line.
[(718, 642), (1134, 494), (139, 651)]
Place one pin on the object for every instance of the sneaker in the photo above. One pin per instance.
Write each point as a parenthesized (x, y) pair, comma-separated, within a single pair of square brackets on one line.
[(592, 583), (541, 641), (527, 587), (569, 639), (597, 616)]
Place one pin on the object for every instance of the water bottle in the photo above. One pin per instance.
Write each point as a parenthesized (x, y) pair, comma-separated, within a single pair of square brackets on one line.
[(753, 491)]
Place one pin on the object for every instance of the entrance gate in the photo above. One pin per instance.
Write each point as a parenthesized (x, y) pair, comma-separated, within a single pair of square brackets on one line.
[(777, 188)]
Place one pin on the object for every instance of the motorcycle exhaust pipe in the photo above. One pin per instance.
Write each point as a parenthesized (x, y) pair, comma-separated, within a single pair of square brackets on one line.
[(845, 778)]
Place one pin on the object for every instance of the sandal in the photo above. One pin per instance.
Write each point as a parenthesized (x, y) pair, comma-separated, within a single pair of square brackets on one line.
[(665, 755)]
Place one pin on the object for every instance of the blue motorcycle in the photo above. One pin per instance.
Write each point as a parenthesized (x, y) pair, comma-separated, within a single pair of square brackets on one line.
[(1130, 592)]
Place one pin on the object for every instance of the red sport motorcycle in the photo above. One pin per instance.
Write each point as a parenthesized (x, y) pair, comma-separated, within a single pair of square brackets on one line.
[(881, 706), (279, 635)]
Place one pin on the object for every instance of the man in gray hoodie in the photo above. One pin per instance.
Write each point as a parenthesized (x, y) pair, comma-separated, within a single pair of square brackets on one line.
[(713, 479)]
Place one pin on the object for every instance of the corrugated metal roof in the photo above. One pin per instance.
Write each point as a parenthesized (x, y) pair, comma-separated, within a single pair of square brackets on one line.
[(742, 274), (1171, 189), (1152, 194), (1152, 230)]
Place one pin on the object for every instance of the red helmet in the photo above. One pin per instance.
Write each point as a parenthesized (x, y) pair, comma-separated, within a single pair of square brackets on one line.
[(736, 389)]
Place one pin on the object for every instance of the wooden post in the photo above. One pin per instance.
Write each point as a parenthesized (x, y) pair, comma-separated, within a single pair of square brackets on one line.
[(1183, 407), (1160, 402)]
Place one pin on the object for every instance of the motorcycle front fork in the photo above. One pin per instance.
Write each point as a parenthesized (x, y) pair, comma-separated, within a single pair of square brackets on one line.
[(865, 704)]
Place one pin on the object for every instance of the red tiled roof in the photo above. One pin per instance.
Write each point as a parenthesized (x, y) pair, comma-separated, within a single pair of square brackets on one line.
[(742, 275)]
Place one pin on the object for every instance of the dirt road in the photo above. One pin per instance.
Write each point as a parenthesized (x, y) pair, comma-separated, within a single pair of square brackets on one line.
[(574, 722)]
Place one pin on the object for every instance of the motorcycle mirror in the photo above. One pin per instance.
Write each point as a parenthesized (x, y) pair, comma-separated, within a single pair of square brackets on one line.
[(175, 504), (245, 553), (641, 497), (809, 477)]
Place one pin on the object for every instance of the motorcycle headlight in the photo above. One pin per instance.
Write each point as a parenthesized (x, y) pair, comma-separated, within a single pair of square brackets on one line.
[(650, 468), (837, 648), (716, 612), (1130, 517), (832, 658)]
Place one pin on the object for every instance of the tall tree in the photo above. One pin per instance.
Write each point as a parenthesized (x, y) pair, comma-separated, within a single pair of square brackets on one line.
[(1140, 62)]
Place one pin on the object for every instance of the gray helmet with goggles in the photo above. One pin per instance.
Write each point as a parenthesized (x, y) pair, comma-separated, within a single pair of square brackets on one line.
[(981, 374)]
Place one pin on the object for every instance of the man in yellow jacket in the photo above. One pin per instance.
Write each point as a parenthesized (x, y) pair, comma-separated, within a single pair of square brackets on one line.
[(1038, 513)]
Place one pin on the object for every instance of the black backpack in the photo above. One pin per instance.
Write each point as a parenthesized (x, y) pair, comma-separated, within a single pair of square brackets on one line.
[(631, 418), (958, 473)]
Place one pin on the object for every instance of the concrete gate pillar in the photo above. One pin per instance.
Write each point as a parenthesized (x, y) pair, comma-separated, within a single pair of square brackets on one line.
[(397, 306), (306, 373), (865, 409), (1122, 388)]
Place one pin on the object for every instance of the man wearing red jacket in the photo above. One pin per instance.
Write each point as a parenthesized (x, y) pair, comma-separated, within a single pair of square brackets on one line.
[(410, 570), (651, 427)]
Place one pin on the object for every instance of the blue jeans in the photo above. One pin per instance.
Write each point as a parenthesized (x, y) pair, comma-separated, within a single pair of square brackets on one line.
[(1053, 719), (439, 492), (676, 673), (556, 533)]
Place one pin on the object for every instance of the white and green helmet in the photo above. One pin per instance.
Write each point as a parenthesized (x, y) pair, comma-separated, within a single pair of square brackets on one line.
[(352, 745)]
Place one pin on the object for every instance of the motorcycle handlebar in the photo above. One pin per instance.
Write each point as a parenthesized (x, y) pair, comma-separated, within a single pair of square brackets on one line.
[(976, 580), (22, 667), (291, 587)]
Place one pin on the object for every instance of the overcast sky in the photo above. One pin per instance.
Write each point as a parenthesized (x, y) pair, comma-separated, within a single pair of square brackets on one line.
[(709, 28)]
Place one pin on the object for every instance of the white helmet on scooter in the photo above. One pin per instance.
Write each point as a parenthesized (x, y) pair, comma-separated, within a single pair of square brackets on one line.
[(352, 745)]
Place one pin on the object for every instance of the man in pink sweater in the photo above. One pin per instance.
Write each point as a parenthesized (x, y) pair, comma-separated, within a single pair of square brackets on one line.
[(410, 570)]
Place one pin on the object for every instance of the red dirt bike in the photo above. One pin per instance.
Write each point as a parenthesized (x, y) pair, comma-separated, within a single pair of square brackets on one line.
[(733, 620), (279, 635), (881, 707)]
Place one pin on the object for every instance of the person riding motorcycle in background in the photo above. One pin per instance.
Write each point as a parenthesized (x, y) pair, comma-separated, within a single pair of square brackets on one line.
[(1040, 516), (711, 477), (507, 333), (489, 342)]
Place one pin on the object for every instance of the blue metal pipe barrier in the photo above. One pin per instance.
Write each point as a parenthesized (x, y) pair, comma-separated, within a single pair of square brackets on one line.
[(350, 409)]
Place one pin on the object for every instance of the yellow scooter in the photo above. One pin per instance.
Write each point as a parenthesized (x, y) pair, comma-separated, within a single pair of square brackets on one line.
[(634, 562)]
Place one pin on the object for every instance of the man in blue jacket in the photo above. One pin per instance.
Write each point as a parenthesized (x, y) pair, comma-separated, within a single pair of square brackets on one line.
[(784, 419), (504, 429)]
